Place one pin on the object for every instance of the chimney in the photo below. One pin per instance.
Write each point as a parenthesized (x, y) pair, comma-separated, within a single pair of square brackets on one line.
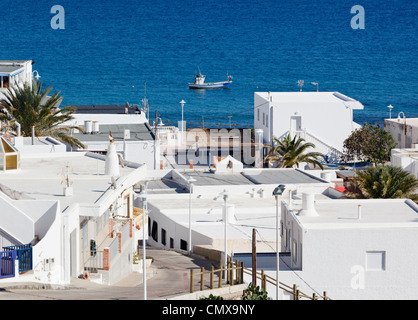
[(112, 161), (359, 212), (308, 205)]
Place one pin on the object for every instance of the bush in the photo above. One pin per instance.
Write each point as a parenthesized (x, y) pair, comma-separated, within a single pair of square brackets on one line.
[(254, 293), (211, 297)]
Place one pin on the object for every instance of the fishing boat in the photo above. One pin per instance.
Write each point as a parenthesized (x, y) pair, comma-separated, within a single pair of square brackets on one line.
[(199, 83)]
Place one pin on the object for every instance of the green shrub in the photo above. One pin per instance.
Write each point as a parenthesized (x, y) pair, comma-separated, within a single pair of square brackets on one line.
[(211, 297), (254, 293)]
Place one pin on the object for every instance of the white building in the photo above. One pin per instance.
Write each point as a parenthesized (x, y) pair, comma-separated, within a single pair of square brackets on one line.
[(403, 130), (407, 159), (352, 249), (135, 140), (14, 72), (78, 216), (250, 205), (323, 118)]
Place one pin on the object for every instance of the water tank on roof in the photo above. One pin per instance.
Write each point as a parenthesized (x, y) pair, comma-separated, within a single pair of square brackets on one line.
[(88, 126)]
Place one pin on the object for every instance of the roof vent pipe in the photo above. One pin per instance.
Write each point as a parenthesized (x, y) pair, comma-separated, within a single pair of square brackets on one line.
[(308, 205)]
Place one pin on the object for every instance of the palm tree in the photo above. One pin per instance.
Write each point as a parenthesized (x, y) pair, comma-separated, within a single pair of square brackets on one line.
[(31, 106), (290, 152), (384, 181)]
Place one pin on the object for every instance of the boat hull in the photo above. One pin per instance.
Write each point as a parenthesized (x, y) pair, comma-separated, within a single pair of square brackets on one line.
[(214, 85)]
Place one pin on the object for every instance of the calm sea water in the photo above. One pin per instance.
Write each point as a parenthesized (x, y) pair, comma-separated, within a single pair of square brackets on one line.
[(109, 49)]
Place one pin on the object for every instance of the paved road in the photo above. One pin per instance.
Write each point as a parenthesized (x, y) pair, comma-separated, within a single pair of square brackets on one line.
[(169, 276)]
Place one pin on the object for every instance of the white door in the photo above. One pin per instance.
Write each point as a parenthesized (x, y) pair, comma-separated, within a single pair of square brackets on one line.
[(295, 123)]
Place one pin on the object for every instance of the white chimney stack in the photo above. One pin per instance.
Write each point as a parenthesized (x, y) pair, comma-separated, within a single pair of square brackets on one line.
[(112, 161), (308, 205)]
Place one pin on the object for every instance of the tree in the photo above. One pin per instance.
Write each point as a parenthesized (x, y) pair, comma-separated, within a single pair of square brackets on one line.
[(369, 143), (31, 106), (292, 151), (384, 182)]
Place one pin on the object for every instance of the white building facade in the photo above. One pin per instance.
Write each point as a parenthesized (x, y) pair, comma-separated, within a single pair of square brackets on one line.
[(14, 72), (352, 249), (323, 118), (404, 131)]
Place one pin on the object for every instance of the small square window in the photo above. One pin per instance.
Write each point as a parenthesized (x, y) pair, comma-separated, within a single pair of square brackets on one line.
[(375, 260)]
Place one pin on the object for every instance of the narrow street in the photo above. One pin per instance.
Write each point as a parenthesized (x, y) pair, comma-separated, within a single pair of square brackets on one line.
[(169, 276)]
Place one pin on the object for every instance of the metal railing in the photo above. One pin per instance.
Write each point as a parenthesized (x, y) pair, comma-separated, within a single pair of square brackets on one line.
[(23, 254), (95, 262)]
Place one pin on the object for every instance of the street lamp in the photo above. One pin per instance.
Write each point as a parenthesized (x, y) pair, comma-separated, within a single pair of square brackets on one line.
[(37, 74), (390, 111), (316, 84), (190, 182), (225, 195), (143, 196), (182, 102), (278, 191)]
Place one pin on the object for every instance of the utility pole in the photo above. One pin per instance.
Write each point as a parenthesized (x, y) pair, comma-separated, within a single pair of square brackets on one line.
[(254, 258)]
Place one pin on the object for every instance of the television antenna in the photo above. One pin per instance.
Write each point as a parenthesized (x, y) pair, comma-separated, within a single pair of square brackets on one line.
[(300, 84), (317, 85), (66, 175)]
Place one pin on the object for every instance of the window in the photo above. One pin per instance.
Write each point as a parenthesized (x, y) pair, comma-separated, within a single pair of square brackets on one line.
[(258, 114), (183, 245), (295, 251), (154, 231), (267, 121), (375, 260), (85, 232), (4, 83), (264, 118), (163, 236)]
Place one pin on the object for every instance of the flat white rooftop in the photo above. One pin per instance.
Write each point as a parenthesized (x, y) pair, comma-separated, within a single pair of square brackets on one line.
[(375, 213), (409, 121), (259, 213), (43, 177), (311, 98)]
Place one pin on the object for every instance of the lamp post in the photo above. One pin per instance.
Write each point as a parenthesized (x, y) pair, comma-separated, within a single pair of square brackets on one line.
[(225, 195), (276, 193), (190, 182), (143, 196), (37, 77), (390, 111), (317, 85), (182, 102)]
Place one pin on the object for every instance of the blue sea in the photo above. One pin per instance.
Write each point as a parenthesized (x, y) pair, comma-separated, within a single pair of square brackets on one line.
[(110, 49)]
